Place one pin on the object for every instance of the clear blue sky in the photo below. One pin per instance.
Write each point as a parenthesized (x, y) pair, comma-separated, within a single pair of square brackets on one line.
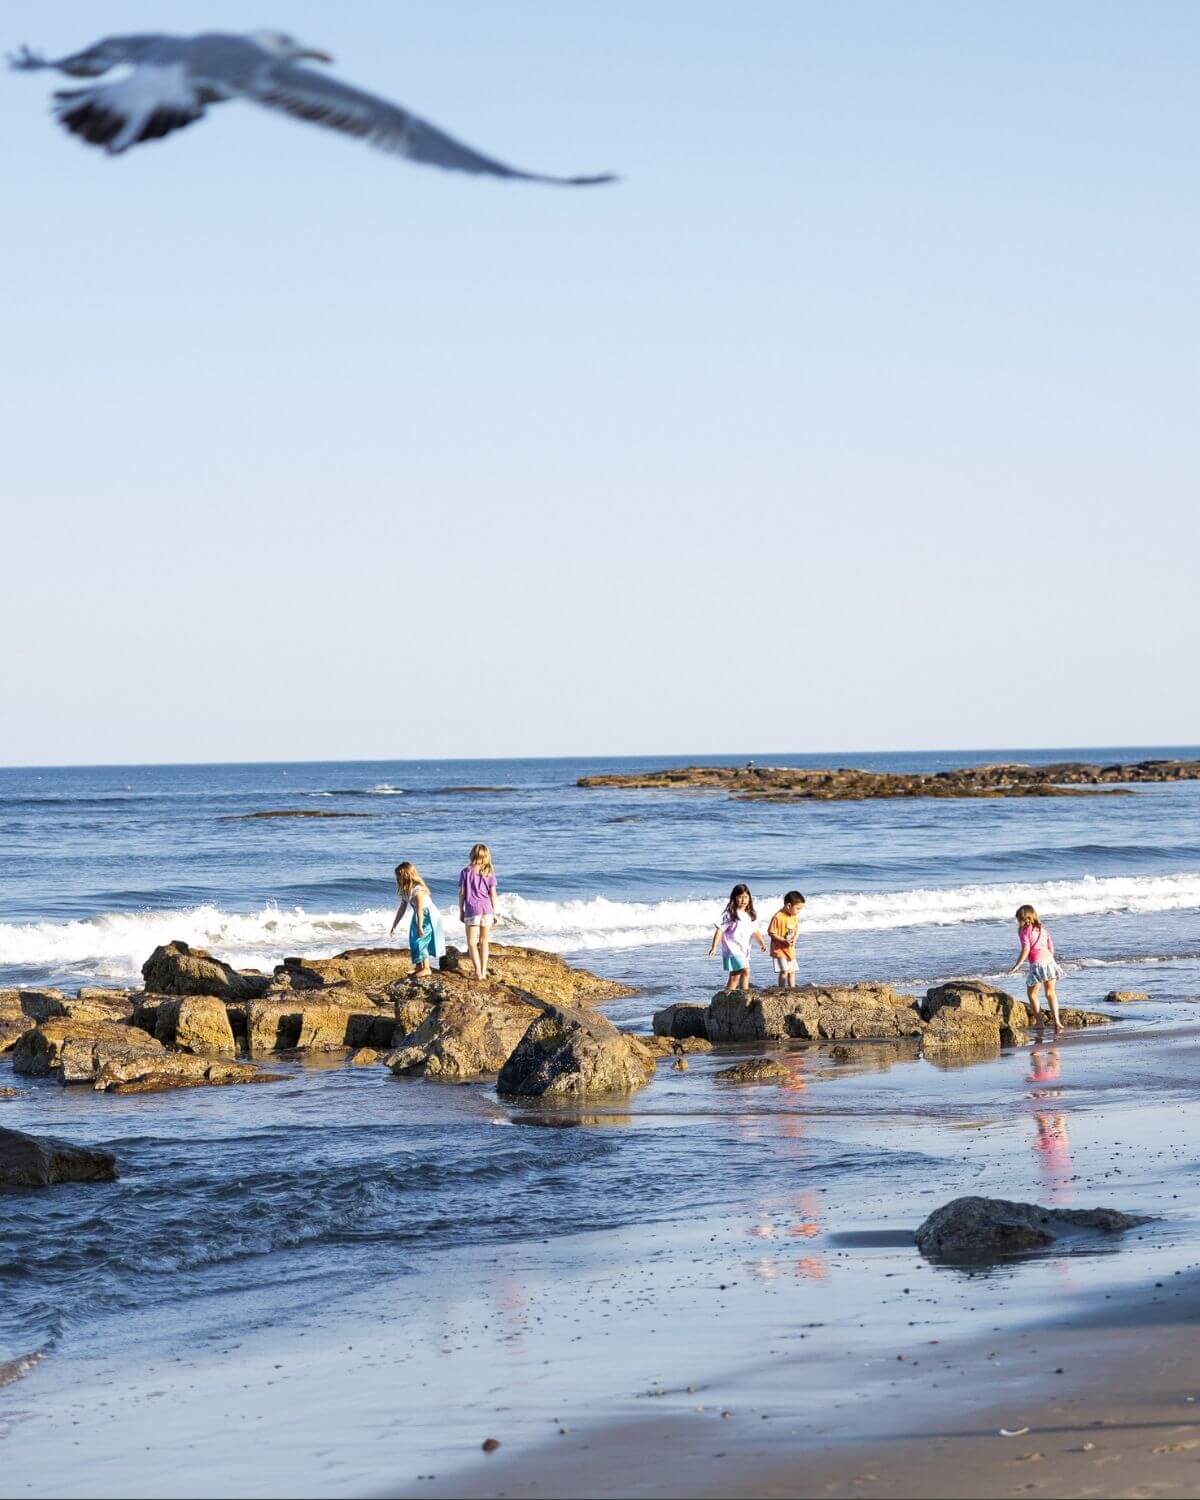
[(861, 414)]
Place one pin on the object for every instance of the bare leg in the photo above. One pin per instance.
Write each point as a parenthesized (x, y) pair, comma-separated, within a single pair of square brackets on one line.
[(473, 950), (1052, 996), (1034, 991), (731, 984), (485, 939)]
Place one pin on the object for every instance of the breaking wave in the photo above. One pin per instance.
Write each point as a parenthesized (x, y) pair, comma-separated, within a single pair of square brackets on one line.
[(113, 947)]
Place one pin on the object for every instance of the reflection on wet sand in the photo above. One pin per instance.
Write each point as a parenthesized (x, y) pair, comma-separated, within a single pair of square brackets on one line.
[(1052, 1140)]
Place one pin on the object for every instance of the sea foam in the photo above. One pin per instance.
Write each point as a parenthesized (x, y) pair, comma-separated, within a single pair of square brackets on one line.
[(113, 947)]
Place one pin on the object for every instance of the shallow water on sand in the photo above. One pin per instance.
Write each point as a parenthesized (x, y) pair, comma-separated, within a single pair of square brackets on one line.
[(489, 1261)]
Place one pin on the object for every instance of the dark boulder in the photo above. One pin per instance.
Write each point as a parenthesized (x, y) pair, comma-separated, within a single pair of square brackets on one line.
[(43, 1161), (973, 1230)]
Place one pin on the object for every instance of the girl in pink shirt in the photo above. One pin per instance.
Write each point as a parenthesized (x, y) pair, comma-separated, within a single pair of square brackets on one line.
[(1037, 950)]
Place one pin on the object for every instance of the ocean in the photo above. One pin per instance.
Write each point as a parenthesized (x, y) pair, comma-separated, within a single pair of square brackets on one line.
[(258, 1209)]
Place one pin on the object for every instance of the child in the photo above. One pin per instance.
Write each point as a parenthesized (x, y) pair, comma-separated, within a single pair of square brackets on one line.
[(1037, 949), (736, 930), (425, 940), (784, 926), (477, 905)]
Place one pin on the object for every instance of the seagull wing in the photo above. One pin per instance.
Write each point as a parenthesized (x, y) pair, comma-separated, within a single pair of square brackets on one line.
[(308, 95)]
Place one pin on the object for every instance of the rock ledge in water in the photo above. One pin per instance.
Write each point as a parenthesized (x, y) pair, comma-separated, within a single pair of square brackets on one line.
[(42, 1161), (978, 1230), (755, 1070)]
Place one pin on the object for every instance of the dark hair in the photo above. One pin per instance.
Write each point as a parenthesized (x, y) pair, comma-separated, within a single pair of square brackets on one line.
[(794, 898), (731, 909)]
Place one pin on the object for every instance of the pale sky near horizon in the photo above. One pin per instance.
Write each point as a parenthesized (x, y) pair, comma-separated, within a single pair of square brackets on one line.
[(860, 415)]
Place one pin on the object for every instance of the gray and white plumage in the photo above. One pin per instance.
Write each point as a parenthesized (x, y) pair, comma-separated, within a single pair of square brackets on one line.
[(173, 80)]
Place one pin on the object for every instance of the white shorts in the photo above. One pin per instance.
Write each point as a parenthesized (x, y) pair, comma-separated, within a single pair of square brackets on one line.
[(784, 965), (484, 919)]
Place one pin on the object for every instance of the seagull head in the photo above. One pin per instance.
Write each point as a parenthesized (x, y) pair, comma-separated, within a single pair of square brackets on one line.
[(280, 44)]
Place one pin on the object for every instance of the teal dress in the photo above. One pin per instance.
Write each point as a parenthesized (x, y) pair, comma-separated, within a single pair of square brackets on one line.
[(429, 940)]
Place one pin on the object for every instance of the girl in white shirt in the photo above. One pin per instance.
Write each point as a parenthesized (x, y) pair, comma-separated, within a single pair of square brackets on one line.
[(735, 932)]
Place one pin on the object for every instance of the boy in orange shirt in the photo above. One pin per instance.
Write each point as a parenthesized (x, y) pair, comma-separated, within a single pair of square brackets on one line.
[(785, 924)]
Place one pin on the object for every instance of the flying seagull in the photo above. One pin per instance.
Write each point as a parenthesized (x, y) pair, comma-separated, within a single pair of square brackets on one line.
[(174, 79)]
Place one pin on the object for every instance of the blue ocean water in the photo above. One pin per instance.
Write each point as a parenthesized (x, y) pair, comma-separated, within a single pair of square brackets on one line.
[(103, 863), (337, 1175)]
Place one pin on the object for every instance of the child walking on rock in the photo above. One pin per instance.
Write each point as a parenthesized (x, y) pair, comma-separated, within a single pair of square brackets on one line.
[(736, 930), (1037, 950), (425, 937)]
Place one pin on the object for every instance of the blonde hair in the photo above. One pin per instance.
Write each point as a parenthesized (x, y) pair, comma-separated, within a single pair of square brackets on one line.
[(408, 877), (1027, 917), (481, 859)]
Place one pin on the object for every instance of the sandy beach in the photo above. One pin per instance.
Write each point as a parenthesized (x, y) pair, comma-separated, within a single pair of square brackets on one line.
[(797, 1346)]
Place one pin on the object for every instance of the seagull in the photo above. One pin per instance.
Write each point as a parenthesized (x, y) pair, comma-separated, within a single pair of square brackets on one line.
[(174, 79)]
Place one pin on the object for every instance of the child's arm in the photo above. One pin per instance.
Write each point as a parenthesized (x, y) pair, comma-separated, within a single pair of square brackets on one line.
[(759, 939), (418, 901), (712, 947), (399, 913), (1023, 958), (462, 899)]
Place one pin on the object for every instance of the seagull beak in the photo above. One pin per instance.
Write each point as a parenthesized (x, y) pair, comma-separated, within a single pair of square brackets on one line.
[(316, 56)]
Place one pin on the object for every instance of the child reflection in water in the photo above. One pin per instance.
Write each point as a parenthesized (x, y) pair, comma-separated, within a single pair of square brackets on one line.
[(1052, 1142)]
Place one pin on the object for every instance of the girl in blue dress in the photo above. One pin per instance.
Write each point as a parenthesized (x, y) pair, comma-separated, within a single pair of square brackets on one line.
[(425, 937)]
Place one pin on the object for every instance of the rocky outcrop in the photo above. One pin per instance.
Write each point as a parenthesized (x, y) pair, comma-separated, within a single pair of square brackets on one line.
[(317, 1021), (974, 997), (75, 1051), (366, 1057), (195, 1023), (753, 783), (1125, 997), (175, 1070), (545, 976), (471, 1030), (14, 1023), (88, 1005), (961, 1035), (572, 1054), (973, 1230), (177, 969), (813, 1013), (754, 1070), (43, 1161), (1071, 1018), (681, 1021)]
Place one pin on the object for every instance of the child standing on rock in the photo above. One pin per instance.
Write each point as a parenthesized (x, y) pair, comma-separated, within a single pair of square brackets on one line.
[(784, 926), (477, 906), (735, 932), (1037, 950), (425, 937)]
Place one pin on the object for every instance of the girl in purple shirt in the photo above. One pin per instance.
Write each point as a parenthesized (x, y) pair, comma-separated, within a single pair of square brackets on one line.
[(477, 905)]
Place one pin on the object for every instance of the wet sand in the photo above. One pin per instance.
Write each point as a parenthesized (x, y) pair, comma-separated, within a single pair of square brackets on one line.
[(1105, 1406), (783, 1337)]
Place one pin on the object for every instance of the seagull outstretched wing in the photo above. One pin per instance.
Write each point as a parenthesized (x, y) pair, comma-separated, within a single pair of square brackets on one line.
[(308, 95)]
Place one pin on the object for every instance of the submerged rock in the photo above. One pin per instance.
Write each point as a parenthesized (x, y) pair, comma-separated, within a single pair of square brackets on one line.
[(569, 1053), (668, 1046), (43, 1161), (1125, 997), (982, 1229), (754, 1070), (175, 1070), (365, 1057), (471, 1029), (177, 969)]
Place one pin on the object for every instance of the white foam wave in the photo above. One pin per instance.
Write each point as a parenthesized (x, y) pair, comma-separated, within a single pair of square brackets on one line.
[(113, 947)]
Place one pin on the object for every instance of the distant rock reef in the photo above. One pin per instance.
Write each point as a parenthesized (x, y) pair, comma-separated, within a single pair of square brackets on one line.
[(751, 783)]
